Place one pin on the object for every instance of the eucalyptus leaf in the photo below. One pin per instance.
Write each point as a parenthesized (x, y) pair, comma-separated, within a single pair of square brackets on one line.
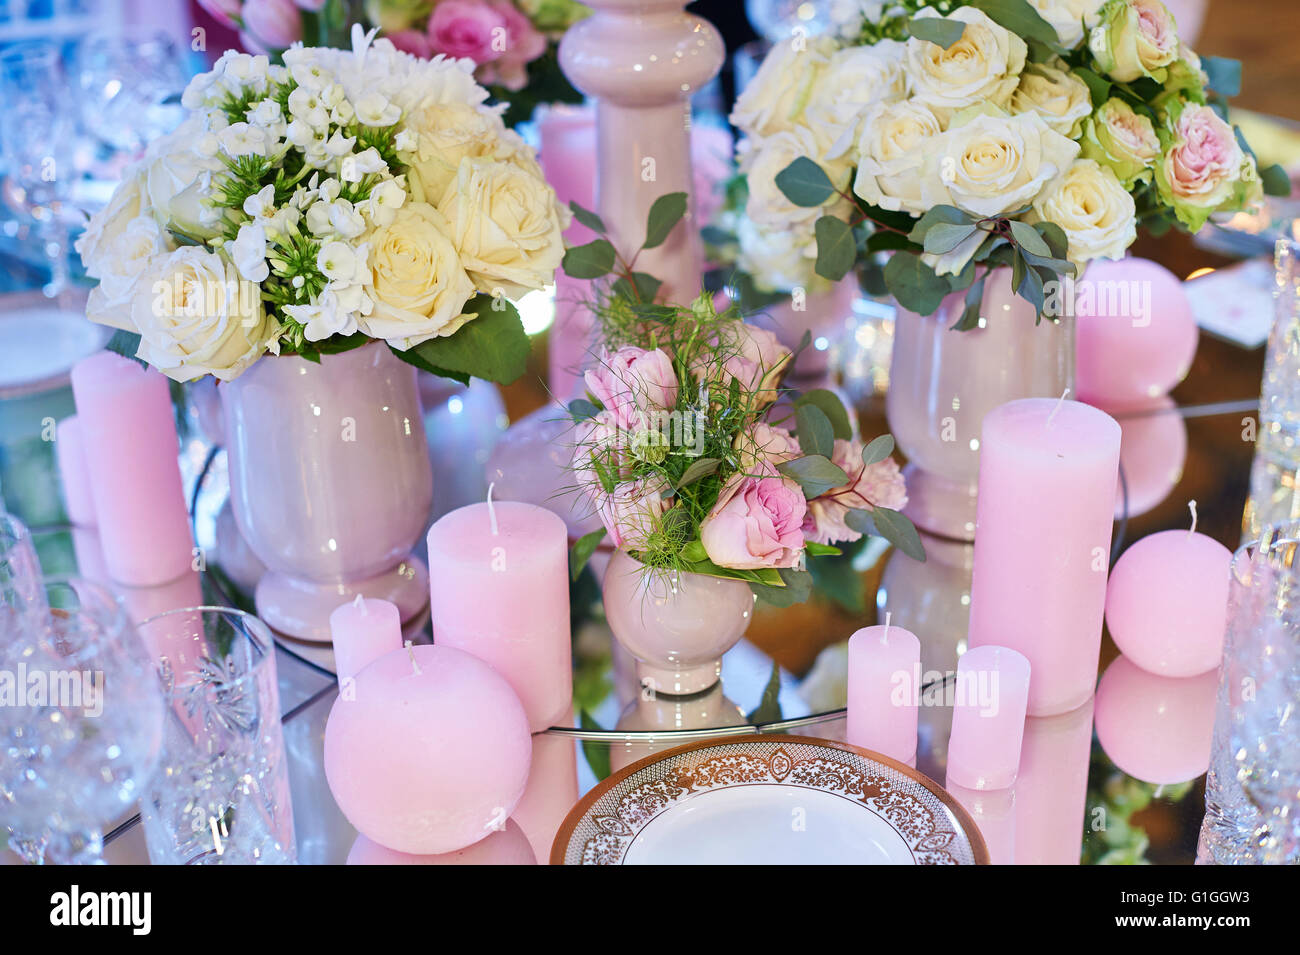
[(665, 213), (879, 449), (580, 409), (1098, 87), (815, 473), (1275, 180), (643, 287), (126, 344), (816, 435), (814, 549), (699, 468), (590, 261), (587, 218), (797, 588), (805, 183), (938, 215), (832, 407), (974, 304), (937, 30), (582, 550), (944, 237), (1021, 19), (891, 525), (1027, 238), (1224, 75), (836, 248), (914, 284)]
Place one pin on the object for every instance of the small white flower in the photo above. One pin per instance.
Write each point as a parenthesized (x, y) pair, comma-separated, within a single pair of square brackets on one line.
[(355, 168), (405, 141), (248, 251), (337, 261), (241, 139), (340, 145), (329, 189), (384, 201), (323, 318), (345, 219), (374, 109), (266, 114), (306, 105)]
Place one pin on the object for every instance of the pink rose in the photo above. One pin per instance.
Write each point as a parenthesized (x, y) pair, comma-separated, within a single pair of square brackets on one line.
[(413, 42), (1203, 167), (752, 356), (223, 11), (631, 382), (523, 45), (631, 514), (467, 29), (276, 24), (756, 523), (765, 444), (880, 485)]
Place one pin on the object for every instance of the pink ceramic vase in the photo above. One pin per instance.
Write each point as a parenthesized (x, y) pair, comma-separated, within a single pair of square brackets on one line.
[(677, 625), (330, 483)]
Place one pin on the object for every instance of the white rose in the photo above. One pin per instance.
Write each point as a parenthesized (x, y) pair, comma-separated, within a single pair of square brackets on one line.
[(418, 283), (856, 78), (989, 164), (763, 160), (1071, 19), (1094, 210), (1060, 97), (444, 134), (129, 200), (196, 316), (178, 179), (779, 259), (982, 67), (773, 101), (506, 224), (892, 151), (119, 265)]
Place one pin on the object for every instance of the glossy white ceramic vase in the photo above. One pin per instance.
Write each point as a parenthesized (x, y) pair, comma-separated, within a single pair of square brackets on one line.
[(330, 483), (676, 625)]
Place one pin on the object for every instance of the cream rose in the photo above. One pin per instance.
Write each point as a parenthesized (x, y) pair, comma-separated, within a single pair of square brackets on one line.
[(129, 200), (1118, 137), (1135, 38), (196, 316), (1055, 94), (891, 152), (119, 265), (1094, 210), (1071, 19), (779, 259), (178, 180), (856, 78), (444, 134), (1203, 168), (774, 100), (982, 67), (506, 224), (419, 286), (764, 160)]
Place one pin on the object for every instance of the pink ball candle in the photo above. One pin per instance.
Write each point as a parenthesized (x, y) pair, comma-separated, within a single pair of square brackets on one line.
[(431, 752), (1167, 603), (1136, 334), (74, 474), (363, 630), (499, 589), (988, 717), (1152, 452), (883, 690), (132, 457), (1042, 542), (1156, 728), (507, 846)]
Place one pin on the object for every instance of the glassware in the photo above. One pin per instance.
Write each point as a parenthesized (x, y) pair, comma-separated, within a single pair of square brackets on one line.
[(221, 794), (1252, 792), (20, 572), (130, 85), (83, 735)]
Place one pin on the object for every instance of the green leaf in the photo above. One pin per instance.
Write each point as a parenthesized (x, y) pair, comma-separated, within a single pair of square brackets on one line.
[(944, 237), (832, 407), (814, 430), (493, 346), (938, 215), (1027, 238), (805, 183), (898, 221), (797, 589), (590, 261), (580, 409), (879, 449), (587, 218), (814, 549), (643, 287), (769, 707), (1030, 288), (700, 467), (126, 344), (1054, 236), (716, 235), (814, 473), (835, 579), (836, 248), (884, 241), (942, 32), (1224, 75), (890, 525), (970, 316), (582, 550), (914, 284), (596, 753), (1021, 19), (1275, 181), (665, 213), (768, 575), (1098, 87)]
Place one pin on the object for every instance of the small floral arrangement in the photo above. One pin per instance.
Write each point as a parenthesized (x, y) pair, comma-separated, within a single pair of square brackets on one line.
[(962, 135), (511, 42), (695, 456), (343, 197)]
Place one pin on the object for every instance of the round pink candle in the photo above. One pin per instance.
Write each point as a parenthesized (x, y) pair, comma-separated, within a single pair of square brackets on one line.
[(884, 670), (363, 630), (132, 456), (988, 717), (1167, 603), (430, 752), (499, 589), (73, 473), (1042, 542)]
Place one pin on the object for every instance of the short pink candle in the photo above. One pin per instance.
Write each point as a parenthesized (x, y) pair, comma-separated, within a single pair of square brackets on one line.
[(132, 452), (73, 474), (884, 667), (988, 717), (1052, 787), (1042, 542), (499, 589), (363, 630), (1167, 603)]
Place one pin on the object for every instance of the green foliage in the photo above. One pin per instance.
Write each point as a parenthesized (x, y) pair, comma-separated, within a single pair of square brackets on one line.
[(942, 32), (493, 346), (665, 213)]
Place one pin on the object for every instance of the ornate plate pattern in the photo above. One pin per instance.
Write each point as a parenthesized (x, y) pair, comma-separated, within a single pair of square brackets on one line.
[(603, 825)]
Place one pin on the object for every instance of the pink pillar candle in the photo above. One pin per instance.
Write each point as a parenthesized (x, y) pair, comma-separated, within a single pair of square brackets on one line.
[(73, 473), (499, 589), (884, 667), (1052, 787), (363, 630), (1042, 542), (132, 452), (988, 717)]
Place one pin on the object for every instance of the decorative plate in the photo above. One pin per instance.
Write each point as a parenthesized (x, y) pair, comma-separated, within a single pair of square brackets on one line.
[(768, 799)]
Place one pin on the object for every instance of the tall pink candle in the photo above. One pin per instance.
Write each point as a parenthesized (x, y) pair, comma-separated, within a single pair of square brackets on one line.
[(363, 630), (132, 458), (69, 449), (499, 589), (884, 664), (1042, 542), (988, 717)]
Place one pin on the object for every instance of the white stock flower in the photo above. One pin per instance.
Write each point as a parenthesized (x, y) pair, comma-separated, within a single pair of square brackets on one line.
[(892, 151), (982, 67), (356, 167), (324, 317), (381, 206), (373, 109), (248, 252), (242, 139), (1094, 210), (855, 79)]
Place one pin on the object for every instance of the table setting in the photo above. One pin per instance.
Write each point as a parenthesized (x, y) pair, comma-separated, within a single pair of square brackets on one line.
[(519, 432)]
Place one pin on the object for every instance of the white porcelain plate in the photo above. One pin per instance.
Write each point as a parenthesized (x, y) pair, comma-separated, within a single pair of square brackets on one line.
[(759, 800)]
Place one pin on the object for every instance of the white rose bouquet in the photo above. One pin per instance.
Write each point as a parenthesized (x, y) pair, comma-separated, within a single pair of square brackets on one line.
[(343, 197), (965, 135)]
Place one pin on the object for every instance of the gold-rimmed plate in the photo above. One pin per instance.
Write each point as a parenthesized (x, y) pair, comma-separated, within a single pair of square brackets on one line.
[(768, 799)]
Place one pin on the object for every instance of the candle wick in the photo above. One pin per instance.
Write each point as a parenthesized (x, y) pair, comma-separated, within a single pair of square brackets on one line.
[(410, 651), (1192, 506), (1060, 401), (884, 637), (492, 511), (360, 604)]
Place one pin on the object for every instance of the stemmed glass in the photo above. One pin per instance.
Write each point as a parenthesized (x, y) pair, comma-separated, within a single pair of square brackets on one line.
[(129, 85)]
